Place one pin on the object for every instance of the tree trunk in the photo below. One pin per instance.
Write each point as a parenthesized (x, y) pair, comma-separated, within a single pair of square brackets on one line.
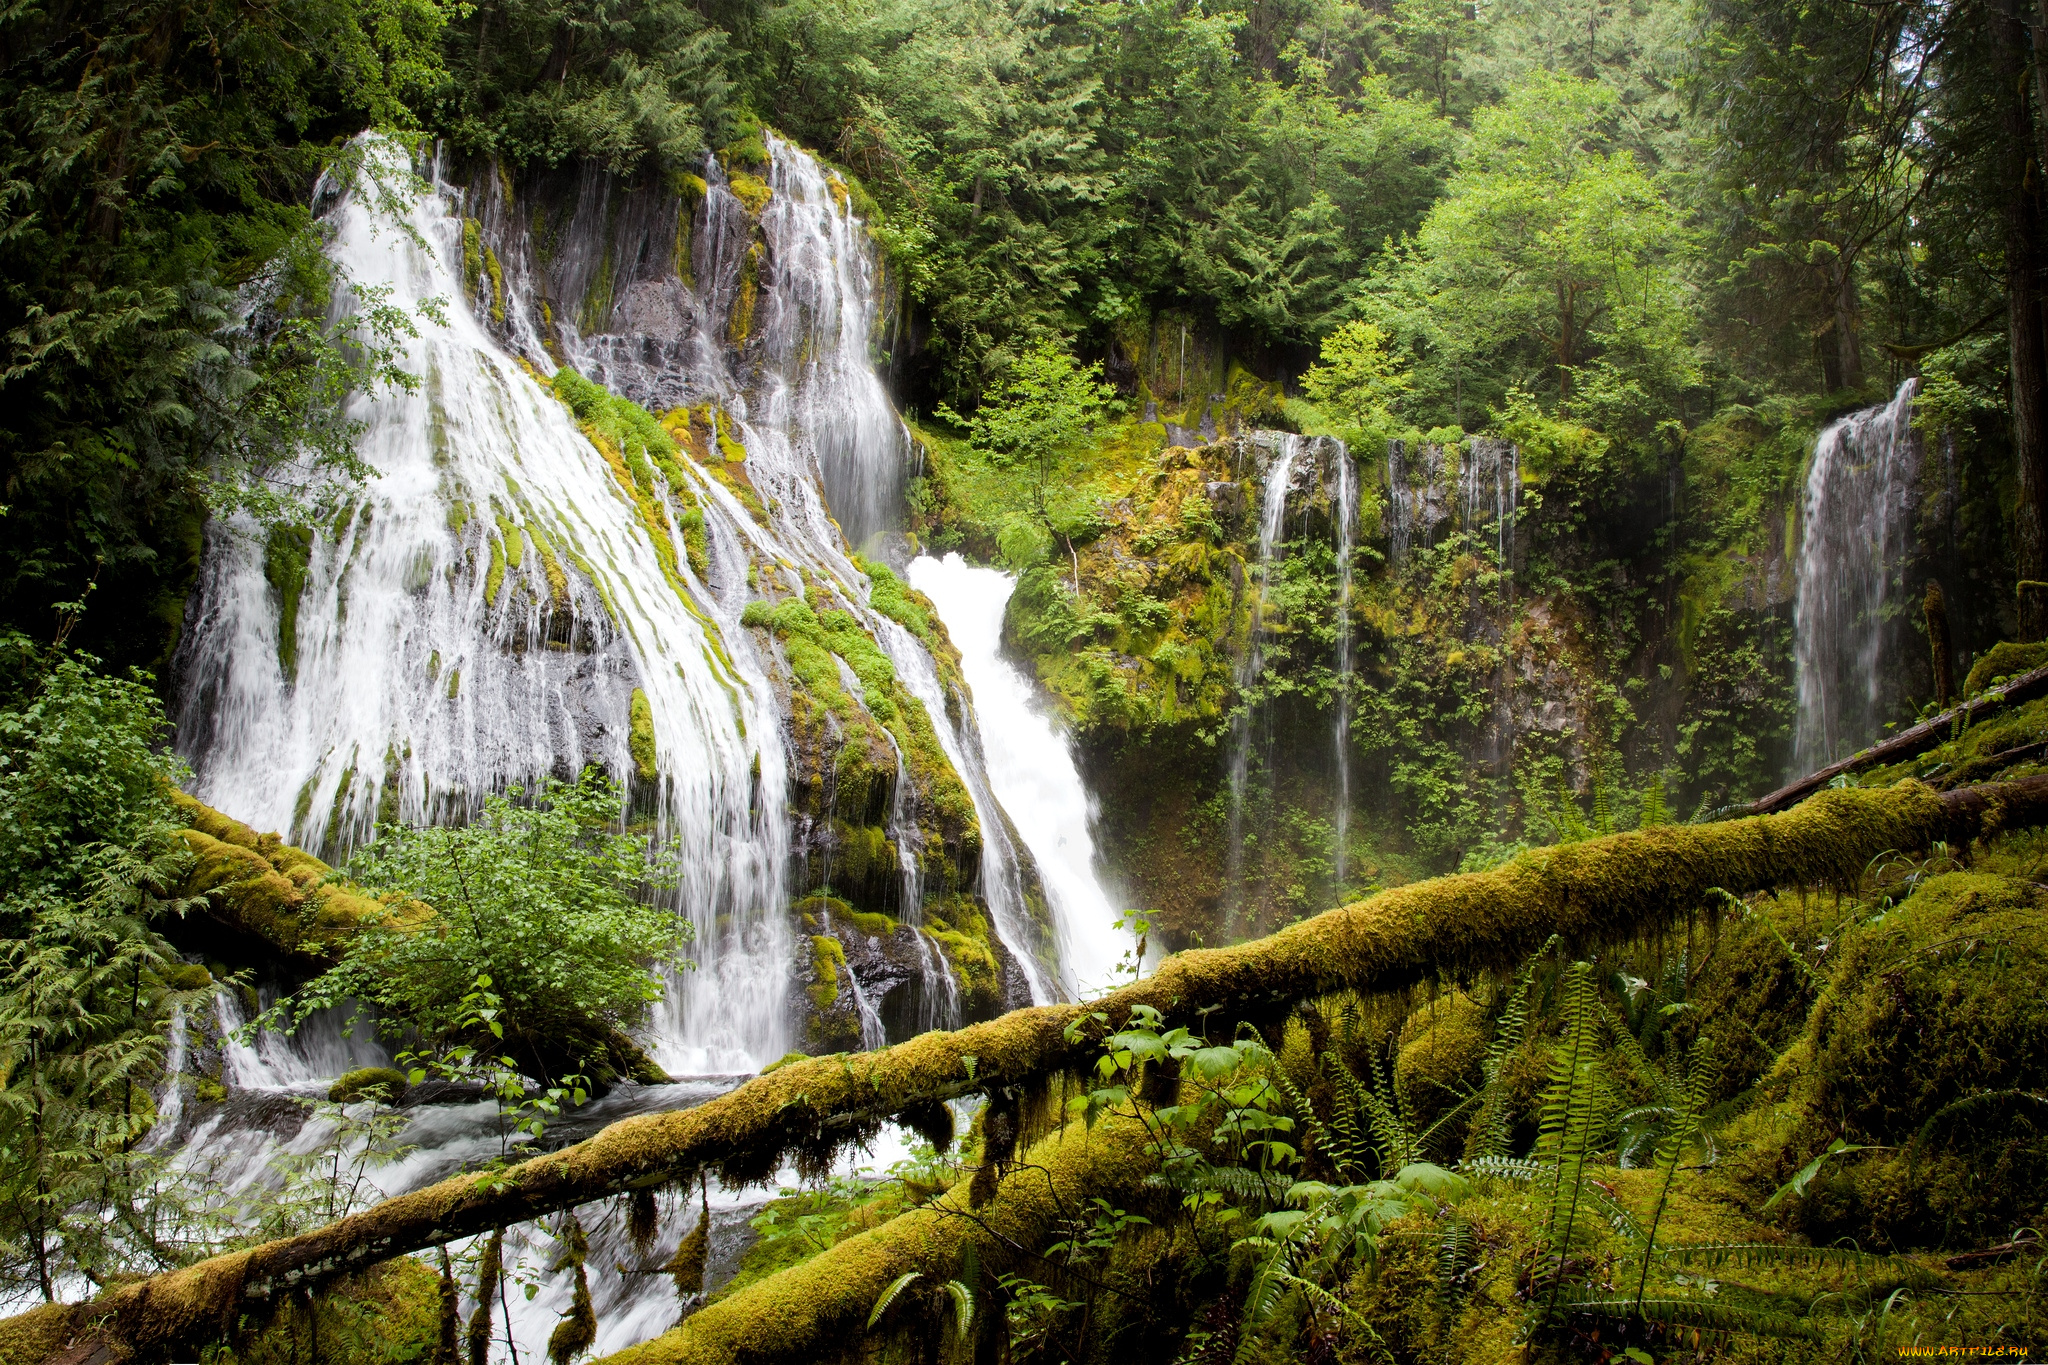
[(2029, 354), (1941, 654), (1848, 335), (1601, 890)]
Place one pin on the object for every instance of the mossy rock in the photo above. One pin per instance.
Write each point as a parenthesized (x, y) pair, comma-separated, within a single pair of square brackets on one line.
[(383, 1083), (1936, 1001), (189, 976), (1442, 1047), (2006, 659), (388, 1315)]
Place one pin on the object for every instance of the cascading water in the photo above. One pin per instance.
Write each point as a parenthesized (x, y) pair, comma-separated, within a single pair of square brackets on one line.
[(1347, 517), (1858, 520), (1284, 447), (483, 612), (1030, 768)]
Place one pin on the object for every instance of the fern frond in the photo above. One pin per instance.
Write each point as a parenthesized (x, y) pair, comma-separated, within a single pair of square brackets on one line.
[(1350, 1148), (1705, 1314), (1504, 1168), (1714, 1255), (1983, 1099), (1305, 1112), (1569, 1112), (1395, 1143), (1493, 1123)]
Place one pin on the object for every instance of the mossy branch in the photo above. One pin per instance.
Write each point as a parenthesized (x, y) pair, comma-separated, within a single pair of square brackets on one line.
[(1598, 890)]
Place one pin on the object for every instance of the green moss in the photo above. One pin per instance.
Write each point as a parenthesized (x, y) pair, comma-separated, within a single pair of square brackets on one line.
[(827, 958), (454, 683), (387, 1315), (740, 325), (1442, 1045), (494, 576), (497, 275), (285, 558), (641, 742), (2006, 659), (752, 192), (382, 1083), (896, 599), (472, 256), (1943, 997), (1602, 890)]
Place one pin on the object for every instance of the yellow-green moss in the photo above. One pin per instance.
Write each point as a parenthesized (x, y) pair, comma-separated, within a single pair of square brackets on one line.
[(827, 958), (641, 742), (2006, 659), (472, 256), (388, 1315), (494, 576), (740, 325), (752, 192), (1605, 889), (1442, 1045), (383, 1083), (285, 559), (497, 275)]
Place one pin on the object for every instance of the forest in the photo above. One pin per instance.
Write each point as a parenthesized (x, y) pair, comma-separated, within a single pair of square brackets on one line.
[(1173, 682)]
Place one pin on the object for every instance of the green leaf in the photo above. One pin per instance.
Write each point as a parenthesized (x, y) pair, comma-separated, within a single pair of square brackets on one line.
[(896, 1286)]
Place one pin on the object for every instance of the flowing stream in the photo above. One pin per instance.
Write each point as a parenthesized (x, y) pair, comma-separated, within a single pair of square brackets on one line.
[(1857, 533)]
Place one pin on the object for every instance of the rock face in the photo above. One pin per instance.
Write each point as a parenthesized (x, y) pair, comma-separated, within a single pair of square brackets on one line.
[(1507, 674)]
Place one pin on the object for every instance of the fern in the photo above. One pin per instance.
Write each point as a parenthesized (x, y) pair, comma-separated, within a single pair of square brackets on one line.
[(1395, 1144), (1705, 1314), (1714, 1255), (1565, 1136), (1686, 1126), (1504, 1168), (1491, 1129), (1983, 1099), (1350, 1150)]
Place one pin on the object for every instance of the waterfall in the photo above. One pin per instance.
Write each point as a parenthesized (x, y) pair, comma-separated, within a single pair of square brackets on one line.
[(483, 611), (1283, 448), (1030, 768), (417, 682), (1859, 499), (1347, 516)]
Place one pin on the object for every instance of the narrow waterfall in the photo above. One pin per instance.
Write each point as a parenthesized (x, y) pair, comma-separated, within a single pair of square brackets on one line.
[(1030, 767), (1857, 532), (1347, 518), (1283, 448)]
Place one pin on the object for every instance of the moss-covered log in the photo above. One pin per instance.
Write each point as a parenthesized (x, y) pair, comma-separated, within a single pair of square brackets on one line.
[(817, 1311), (1908, 743), (1592, 891)]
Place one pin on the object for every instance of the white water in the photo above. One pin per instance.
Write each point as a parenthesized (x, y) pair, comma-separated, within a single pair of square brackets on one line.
[(1347, 514), (1857, 531), (414, 696), (1272, 513), (412, 688), (1030, 768)]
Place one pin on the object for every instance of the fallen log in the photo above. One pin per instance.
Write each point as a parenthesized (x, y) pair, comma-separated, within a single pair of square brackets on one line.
[(817, 1311), (1907, 743), (1594, 891)]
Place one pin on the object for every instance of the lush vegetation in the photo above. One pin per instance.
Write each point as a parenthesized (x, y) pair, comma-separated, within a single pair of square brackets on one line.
[(1634, 253)]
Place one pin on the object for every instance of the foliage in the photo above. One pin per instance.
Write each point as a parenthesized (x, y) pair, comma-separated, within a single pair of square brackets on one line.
[(83, 776), (166, 309), (539, 895)]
